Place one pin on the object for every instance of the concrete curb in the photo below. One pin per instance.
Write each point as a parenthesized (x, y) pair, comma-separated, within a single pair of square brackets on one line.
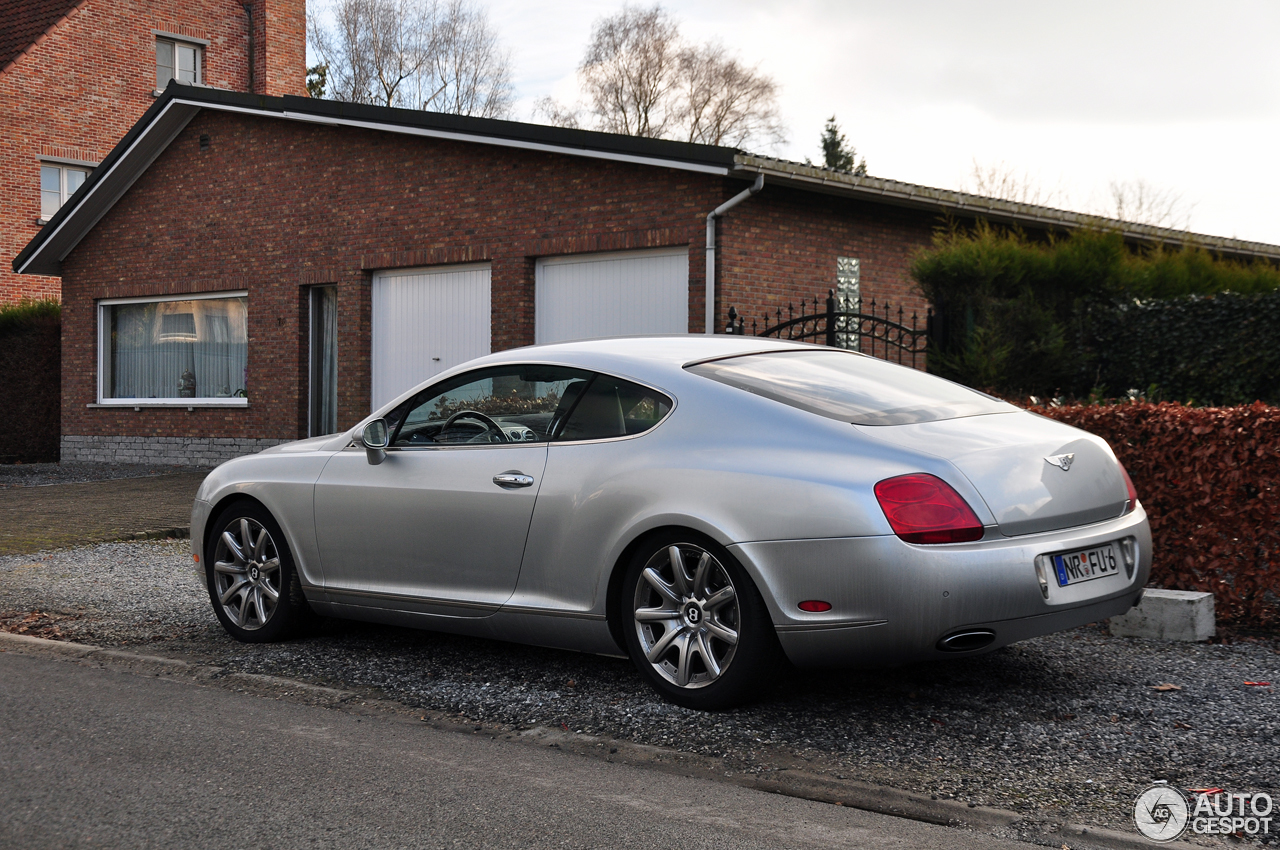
[(792, 783)]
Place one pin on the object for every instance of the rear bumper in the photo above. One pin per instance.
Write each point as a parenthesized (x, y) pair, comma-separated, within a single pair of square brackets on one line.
[(893, 601)]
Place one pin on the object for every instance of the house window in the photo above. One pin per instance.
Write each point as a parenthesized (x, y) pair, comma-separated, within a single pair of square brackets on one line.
[(57, 184), (177, 60), (848, 281), (185, 350), (849, 299)]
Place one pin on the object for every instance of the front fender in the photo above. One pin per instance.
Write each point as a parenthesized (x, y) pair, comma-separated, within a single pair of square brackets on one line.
[(284, 483)]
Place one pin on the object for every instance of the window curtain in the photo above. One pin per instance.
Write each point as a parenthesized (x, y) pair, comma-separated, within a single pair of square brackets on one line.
[(179, 350), (324, 360)]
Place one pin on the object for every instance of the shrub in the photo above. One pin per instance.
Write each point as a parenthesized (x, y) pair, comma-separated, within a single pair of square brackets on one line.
[(15, 318), (996, 290), (1209, 478), (30, 381), (1219, 349)]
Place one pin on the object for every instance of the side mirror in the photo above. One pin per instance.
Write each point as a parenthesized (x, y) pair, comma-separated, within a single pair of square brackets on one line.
[(375, 439)]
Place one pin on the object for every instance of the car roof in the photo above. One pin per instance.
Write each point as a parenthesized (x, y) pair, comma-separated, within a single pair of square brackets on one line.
[(663, 353), (656, 360)]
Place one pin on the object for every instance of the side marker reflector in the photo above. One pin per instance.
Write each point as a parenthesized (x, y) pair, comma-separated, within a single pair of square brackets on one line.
[(815, 606)]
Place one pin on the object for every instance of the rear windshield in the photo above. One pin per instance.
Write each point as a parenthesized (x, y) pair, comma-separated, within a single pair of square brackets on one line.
[(850, 387)]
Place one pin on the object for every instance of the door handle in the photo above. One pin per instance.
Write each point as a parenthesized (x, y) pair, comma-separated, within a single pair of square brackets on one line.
[(510, 480)]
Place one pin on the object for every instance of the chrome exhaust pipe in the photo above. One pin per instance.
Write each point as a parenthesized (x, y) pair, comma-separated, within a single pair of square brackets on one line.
[(967, 640)]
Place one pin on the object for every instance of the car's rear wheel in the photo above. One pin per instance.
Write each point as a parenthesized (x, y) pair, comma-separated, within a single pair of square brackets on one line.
[(695, 625), (252, 582)]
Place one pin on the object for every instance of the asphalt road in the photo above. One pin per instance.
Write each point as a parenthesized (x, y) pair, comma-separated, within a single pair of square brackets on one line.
[(99, 757)]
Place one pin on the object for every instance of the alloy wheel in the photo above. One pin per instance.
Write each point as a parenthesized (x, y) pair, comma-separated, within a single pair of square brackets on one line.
[(686, 615), (247, 573)]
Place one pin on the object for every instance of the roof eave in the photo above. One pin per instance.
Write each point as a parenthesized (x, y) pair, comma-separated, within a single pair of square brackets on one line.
[(110, 180), (944, 201), (179, 104)]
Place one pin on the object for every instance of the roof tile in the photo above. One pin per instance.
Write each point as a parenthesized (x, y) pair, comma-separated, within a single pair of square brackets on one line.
[(22, 22)]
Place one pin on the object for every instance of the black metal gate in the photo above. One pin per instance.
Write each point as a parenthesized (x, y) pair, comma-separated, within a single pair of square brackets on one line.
[(843, 324)]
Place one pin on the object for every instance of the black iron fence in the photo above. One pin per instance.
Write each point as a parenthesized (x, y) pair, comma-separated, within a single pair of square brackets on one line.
[(842, 323)]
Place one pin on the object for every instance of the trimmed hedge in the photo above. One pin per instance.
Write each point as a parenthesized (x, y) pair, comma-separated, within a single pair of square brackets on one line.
[(30, 381), (1221, 349), (1210, 479), (1022, 314)]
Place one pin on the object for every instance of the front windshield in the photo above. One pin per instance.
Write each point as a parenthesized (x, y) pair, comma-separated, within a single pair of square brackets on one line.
[(849, 387)]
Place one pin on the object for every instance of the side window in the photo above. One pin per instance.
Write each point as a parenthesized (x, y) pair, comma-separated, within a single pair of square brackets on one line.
[(502, 404), (176, 60), (57, 184), (612, 407)]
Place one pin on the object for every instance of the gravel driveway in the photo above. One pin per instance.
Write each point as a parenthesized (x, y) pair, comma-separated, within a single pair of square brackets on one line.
[(1063, 728)]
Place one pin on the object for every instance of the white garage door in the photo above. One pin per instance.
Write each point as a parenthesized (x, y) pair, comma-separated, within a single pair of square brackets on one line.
[(593, 295), (425, 321)]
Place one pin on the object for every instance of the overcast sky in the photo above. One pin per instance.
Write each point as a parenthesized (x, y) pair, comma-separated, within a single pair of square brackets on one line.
[(1182, 95)]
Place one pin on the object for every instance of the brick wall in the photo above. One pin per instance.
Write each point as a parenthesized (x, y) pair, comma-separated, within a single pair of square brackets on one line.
[(77, 91), (275, 206), (781, 246)]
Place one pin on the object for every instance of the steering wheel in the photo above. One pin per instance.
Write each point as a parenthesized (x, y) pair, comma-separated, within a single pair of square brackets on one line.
[(481, 418)]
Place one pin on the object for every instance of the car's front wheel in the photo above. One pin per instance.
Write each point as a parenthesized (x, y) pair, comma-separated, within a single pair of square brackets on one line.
[(695, 625), (252, 582)]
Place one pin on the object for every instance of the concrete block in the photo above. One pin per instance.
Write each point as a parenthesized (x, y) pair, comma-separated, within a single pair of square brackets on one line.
[(1168, 615)]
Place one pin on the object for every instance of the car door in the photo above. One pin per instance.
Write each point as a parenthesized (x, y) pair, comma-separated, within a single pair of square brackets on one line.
[(444, 518), (598, 476)]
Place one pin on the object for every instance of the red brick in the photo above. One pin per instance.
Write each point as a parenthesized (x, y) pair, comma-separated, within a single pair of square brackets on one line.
[(83, 83), (275, 205)]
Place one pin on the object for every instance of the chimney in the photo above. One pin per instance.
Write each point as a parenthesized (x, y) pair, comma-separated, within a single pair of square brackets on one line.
[(278, 47)]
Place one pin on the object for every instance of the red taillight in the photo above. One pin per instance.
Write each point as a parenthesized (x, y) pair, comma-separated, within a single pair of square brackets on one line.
[(1133, 493), (923, 508)]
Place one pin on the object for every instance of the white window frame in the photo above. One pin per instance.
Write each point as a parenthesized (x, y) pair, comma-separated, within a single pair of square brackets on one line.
[(199, 45), (63, 167), (136, 403)]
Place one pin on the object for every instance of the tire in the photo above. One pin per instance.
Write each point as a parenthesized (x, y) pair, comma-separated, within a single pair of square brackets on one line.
[(247, 562), (702, 638)]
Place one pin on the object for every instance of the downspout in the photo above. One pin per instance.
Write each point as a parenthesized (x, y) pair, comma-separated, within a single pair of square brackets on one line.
[(711, 246), (248, 10)]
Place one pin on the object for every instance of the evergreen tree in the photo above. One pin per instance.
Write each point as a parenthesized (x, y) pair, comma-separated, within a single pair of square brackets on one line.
[(317, 80), (837, 153)]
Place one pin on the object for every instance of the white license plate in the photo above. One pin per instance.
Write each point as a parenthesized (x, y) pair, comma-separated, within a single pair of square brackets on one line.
[(1085, 564)]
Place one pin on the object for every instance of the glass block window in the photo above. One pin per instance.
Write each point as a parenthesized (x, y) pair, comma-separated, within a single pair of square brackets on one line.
[(849, 280)]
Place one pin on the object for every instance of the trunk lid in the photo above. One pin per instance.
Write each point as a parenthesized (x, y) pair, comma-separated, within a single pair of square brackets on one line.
[(1016, 462)]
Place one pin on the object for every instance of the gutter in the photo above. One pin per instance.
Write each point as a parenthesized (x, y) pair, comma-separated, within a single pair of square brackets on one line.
[(248, 10), (711, 247), (913, 196)]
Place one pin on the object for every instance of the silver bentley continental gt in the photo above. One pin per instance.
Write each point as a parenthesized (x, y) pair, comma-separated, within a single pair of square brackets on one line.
[(709, 506)]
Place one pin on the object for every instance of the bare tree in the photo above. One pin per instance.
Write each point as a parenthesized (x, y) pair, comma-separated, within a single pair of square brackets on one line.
[(641, 79), (556, 114), (374, 46), (469, 69), (630, 71), (1142, 203), (414, 53), (725, 102), (1002, 181)]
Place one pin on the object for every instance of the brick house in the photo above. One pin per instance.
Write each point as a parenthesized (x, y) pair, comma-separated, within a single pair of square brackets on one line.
[(332, 255), (76, 74)]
